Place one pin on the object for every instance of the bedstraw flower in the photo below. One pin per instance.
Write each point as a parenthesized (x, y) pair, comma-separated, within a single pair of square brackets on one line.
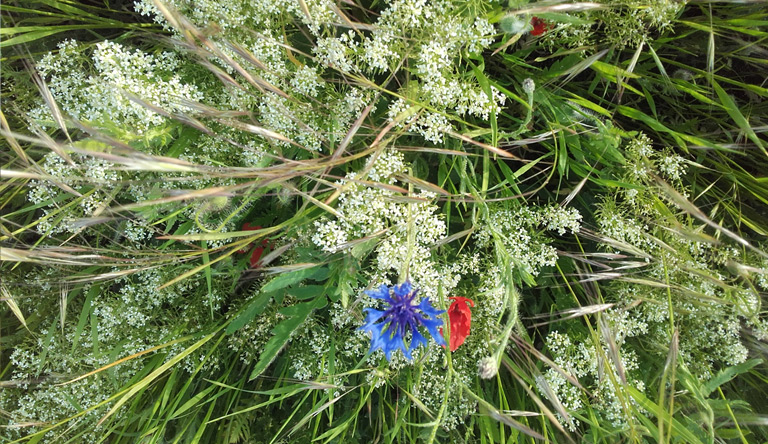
[(401, 316)]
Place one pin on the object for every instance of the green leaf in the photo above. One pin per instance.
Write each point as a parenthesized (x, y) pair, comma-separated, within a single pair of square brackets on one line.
[(27, 37), (562, 155), (616, 184), (152, 377), (254, 308), (509, 175), (736, 115), (282, 332), (307, 292), (727, 374), (612, 70), (677, 428), (294, 277)]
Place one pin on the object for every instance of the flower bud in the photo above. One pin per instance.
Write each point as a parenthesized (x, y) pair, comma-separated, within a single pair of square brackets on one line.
[(529, 86), (487, 368), (513, 24)]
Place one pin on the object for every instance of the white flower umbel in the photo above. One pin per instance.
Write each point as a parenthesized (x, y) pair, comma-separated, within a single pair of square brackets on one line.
[(583, 361), (405, 230), (709, 303), (101, 98), (520, 231)]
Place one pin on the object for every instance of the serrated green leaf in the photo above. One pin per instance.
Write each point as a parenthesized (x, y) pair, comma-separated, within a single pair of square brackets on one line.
[(727, 374), (255, 308), (294, 277), (307, 292), (282, 332)]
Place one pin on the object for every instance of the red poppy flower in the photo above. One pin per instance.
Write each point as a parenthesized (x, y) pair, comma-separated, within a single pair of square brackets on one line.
[(258, 251), (539, 26), (461, 319)]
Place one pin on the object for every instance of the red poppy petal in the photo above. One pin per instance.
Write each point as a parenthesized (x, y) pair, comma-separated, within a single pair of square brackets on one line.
[(460, 316), (539, 26), (462, 299), (256, 256)]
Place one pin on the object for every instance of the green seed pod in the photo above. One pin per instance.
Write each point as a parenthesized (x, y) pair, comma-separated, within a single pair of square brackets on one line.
[(214, 204), (513, 24)]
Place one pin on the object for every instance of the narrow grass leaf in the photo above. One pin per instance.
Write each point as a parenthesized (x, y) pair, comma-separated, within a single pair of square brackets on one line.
[(144, 383), (737, 116)]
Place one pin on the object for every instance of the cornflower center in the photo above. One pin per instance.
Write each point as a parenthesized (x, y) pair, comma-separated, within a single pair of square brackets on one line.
[(402, 314)]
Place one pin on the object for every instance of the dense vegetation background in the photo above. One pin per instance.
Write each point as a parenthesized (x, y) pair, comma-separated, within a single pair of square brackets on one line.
[(204, 201)]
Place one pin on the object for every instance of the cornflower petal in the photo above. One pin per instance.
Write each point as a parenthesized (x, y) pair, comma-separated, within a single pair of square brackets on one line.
[(371, 316), (390, 327), (377, 338), (433, 327), (381, 293), (416, 339), (403, 290)]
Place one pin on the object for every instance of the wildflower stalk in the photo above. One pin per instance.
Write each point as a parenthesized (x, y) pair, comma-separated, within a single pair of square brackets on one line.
[(405, 271), (449, 373), (529, 86), (513, 299)]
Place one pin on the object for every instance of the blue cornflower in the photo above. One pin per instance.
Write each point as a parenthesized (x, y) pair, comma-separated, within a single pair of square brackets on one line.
[(400, 317)]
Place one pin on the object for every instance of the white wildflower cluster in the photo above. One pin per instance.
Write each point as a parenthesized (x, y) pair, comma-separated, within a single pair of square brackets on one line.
[(432, 126), (494, 294), (138, 299), (519, 230), (624, 24), (47, 402), (561, 219), (101, 97), (311, 344), (338, 52), (672, 166), (443, 36), (405, 230), (127, 316), (271, 58), (232, 16), (432, 384), (591, 366), (761, 277), (93, 177), (249, 340), (442, 31), (710, 336), (617, 225), (306, 81), (710, 305), (646, 160)]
